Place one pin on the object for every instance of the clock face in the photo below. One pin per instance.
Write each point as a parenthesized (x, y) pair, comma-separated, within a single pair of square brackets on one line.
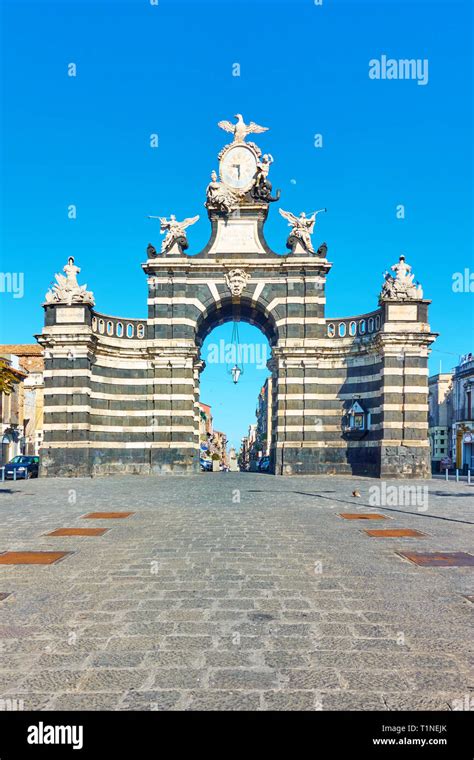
[(238, 167)]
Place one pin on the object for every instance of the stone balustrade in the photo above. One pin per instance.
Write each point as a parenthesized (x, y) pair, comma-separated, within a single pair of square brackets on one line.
[(352, 327), (116, 327)]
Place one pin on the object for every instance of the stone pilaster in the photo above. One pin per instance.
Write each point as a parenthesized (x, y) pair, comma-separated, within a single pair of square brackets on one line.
[(69, 347), (175, 443), (404, 344)]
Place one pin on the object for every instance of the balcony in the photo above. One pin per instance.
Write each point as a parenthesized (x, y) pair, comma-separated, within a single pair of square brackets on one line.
[(464, 368)]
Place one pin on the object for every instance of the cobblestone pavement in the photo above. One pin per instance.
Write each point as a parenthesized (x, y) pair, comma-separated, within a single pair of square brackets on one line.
[(201, 601)]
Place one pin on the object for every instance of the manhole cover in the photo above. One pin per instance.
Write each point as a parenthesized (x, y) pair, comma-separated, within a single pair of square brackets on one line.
[(4, 595), (260, 617), (439, 559), (107, 515), (395, 533), (78, 532), (31, 558), (362, 516)]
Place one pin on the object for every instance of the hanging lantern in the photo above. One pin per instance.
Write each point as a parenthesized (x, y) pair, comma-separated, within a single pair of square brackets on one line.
[(236, 370), (236, 373)]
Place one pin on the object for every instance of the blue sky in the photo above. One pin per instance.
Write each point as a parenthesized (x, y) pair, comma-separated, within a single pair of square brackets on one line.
[(167, 69)]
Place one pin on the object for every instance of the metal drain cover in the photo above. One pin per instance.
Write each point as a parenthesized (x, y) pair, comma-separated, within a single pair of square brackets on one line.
[(439, 559), (362, 516), (31, 558), (107, 515), (78, 532), (395, 533)]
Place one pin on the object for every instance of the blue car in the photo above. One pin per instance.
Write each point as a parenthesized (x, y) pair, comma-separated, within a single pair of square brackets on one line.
[(206, 465), (23, 466)]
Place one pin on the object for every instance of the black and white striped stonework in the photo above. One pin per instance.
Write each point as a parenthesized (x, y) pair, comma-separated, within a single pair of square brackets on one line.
[(121, 394)]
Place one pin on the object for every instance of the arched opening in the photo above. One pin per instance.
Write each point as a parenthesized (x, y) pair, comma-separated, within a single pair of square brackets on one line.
[(239, 310), (236, 417)]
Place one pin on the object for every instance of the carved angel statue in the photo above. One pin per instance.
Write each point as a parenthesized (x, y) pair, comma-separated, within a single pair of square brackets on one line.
[(67, 289), (262, 189), (219, 197), (240, 130), (175, 231), (302, 226), (263, 166), (400, 287)]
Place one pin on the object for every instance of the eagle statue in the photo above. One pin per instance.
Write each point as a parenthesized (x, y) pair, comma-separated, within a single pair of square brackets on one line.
[(240, 130)]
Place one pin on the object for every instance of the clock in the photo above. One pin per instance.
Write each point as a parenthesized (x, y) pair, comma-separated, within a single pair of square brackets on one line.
[(238, 167)]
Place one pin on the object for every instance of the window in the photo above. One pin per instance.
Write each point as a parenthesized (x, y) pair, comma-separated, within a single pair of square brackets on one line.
[(110, 328), (371, 324), (130, 330), (119, 329), (140, 331), (331, 330), (101, 325), (358, 420), (352, 328), (342, 329)]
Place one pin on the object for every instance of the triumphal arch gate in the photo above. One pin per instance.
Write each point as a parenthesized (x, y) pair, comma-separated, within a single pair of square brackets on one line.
[(349, 393)]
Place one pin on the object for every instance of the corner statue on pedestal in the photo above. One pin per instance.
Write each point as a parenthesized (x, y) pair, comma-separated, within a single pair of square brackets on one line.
[(401, 287), (67, 289), (302, 229), (175, 240)]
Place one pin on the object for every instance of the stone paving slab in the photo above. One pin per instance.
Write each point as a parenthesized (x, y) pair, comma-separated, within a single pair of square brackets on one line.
[(234, 591)]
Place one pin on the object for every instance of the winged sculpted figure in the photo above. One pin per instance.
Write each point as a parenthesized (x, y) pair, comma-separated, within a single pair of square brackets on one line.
[(240, 130), (302, 226), (173, 230)]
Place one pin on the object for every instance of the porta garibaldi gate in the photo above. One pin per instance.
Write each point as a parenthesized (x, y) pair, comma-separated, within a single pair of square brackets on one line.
[(350, 394)]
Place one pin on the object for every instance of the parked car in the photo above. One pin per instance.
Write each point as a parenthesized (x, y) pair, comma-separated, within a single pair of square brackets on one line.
[(264, 464), (206, 465), (24, 466)]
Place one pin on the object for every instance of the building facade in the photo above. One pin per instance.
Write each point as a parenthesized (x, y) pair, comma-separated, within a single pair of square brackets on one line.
[(263, 442), (462, 428), (22, 412), (248, 452), (122, 394), (439, 417), (10, 411), (219, 449), (212, 442)]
